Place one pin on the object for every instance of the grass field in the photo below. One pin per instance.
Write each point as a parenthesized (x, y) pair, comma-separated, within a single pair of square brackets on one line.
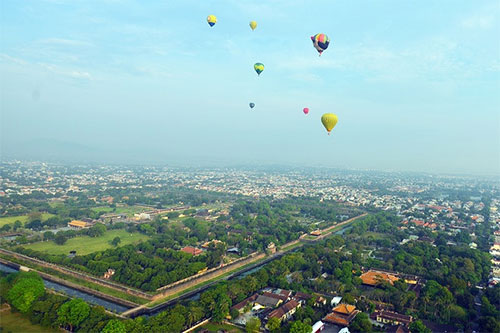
[(22, 218), (129, 210), (85, 244), (15, 323)]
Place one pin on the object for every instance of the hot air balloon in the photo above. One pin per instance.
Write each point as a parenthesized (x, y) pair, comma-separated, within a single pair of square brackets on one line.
[(251, 105), (259, 68), (253, 25), (211, 19), (306, 110), (320, 42), (329, 120)]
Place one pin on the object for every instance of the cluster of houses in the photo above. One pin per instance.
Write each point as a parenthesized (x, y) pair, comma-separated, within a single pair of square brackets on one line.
[(276, 303), (495, 260), (282, 305)]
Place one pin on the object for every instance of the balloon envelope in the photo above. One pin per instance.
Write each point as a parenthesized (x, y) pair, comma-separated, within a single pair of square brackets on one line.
[(259, 68), (211, 19), (329, 120), (306, 110), (253, 25), (320, 42), (251, 105)]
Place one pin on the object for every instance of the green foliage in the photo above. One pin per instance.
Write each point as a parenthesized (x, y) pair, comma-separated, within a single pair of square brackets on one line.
[(73, 312), (97, 230), (300, 327), (418, 327), (60, 239), (26, 289), (116, 241), (273, 325), (361, 323), (114, 326), (253, 325)]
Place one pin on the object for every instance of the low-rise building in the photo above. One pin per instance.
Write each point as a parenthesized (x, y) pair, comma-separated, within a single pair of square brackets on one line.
[(77, 224), (389, 317), (268, 302), (192, 250), (373, 278), (342, 315), (284, 312), (241, 305)]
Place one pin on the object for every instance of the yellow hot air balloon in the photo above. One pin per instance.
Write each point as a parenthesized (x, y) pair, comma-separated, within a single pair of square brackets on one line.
[(211, 19), (253, 25), (329, 120)]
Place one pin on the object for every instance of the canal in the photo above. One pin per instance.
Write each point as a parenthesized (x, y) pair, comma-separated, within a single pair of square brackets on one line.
[(74, 293)]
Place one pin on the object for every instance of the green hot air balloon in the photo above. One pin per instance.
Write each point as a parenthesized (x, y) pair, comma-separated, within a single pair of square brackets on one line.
[(259, 68)]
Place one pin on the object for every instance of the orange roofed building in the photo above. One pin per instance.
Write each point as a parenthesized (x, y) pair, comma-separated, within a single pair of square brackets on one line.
[(373, 278), (342, 315), (79, 224), (192, 250)]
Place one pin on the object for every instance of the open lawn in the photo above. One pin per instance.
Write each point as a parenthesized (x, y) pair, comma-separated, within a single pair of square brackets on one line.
[(22, 218), (14, 322), (85, 244), (129, 210)]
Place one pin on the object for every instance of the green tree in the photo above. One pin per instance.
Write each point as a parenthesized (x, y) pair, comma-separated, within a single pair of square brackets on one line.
[(252, 325), (60, 239), (72, 313), (48, 235), (418, 327), (273, 325), (361, 323), (17, 225), (300, 327), (116, 241), (97, 230), (26, 289), (234, 313), (114, 326)]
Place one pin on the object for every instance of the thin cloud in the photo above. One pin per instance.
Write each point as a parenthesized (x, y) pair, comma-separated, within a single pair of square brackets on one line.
[(64, 42)]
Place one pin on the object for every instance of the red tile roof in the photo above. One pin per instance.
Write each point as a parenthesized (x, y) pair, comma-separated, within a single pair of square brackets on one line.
[(191, 250)]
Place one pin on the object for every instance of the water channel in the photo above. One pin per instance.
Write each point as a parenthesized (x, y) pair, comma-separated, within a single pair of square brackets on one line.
[(74, 293), (120, 308)]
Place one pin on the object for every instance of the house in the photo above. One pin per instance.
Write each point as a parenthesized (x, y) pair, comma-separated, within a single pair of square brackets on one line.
[(283, 298), (109, 273), (398, 329), (318, 326), (283, 292), (142, 216), (315, 233), (301, 297), (342, 315), (335, 301), (271, 248), (373, 278), (77, 224), (389, 317), (285, 311), (241, 305), (268, 302), (320, 301), (206, 245), (234, 250), (192, 250)]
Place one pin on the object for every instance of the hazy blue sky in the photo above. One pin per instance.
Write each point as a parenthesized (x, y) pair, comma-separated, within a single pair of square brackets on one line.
[(415, 84)]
